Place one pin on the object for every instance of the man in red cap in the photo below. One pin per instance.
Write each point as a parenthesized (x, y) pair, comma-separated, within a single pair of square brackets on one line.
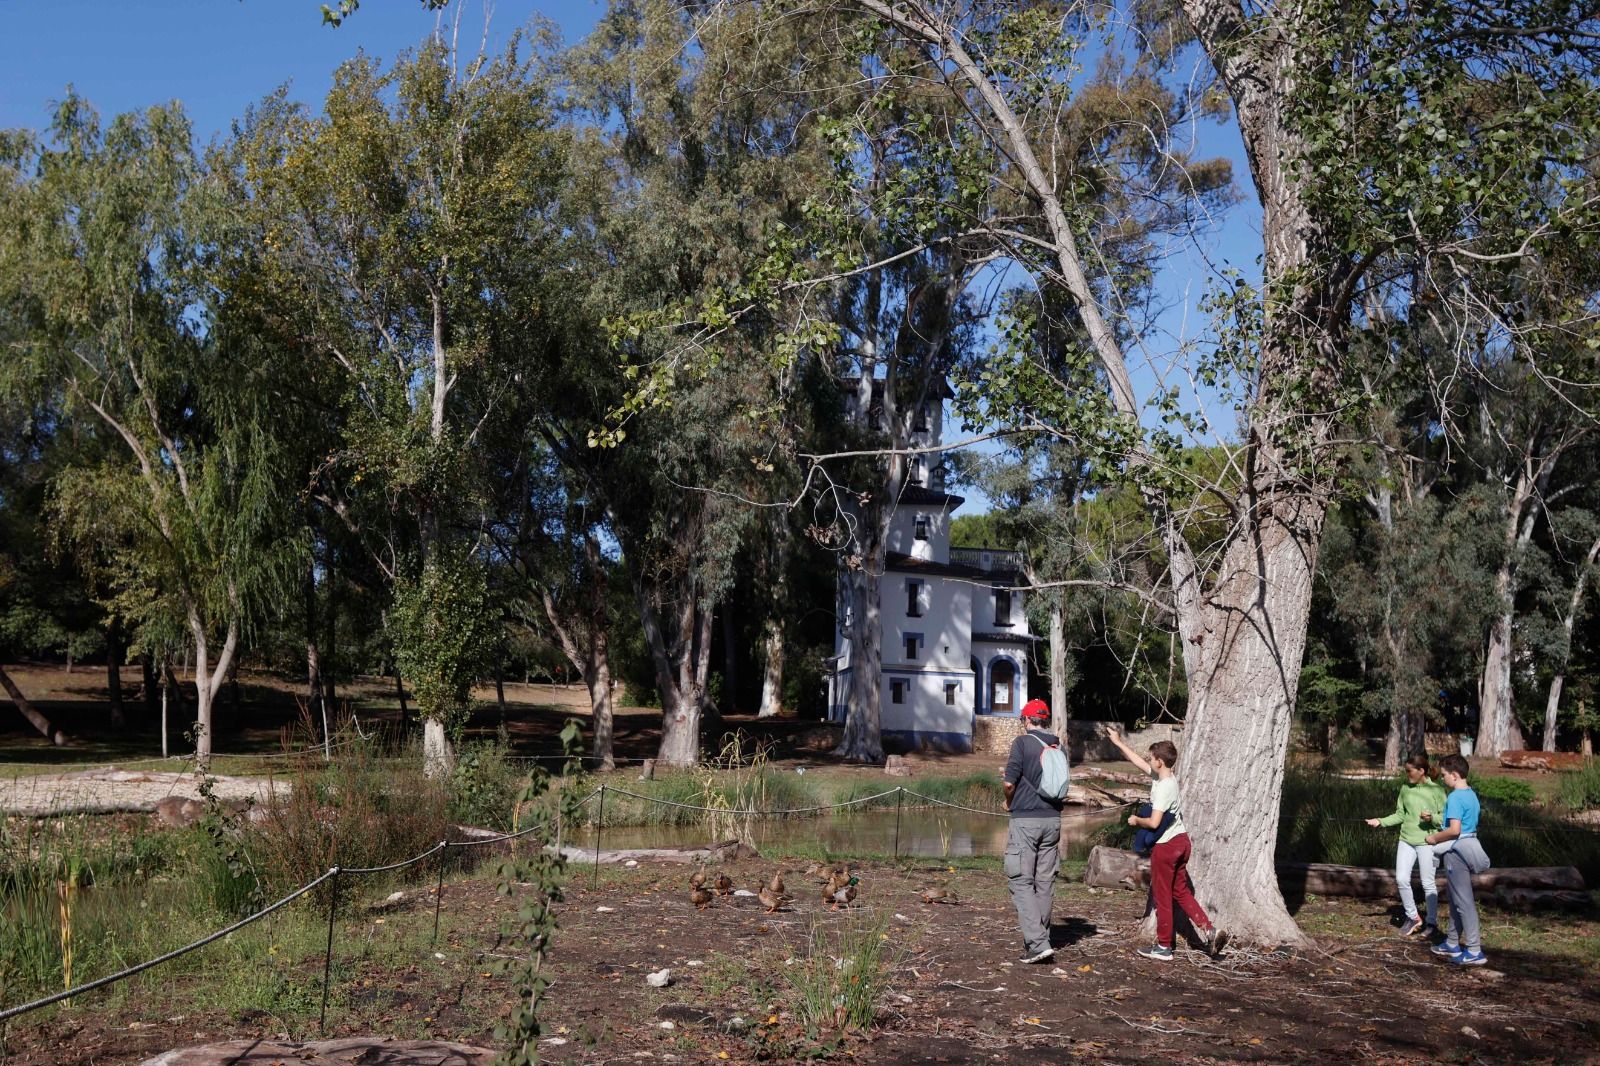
[(1033, 848)]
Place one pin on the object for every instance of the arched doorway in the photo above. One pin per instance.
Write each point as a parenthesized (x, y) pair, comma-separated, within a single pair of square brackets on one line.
[(1002, 686)]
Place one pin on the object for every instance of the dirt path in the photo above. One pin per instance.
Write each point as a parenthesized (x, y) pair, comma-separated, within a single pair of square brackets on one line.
[(111, 789)]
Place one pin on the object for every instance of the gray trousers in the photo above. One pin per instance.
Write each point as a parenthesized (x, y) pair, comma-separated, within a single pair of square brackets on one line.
[(1033, 855), (1459, 864)]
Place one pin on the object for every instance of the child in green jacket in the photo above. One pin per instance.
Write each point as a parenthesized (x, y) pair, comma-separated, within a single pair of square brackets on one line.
[(1416, 812)]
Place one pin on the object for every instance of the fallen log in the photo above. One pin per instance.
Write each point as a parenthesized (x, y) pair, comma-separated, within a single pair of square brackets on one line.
[(1327, 879), (1542, 760), (1114, 775), (1118, 868)]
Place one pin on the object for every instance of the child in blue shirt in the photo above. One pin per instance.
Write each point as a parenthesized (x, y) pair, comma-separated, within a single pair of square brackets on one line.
[(1463, 856)]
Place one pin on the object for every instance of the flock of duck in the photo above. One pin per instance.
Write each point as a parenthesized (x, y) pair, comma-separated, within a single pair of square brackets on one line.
[(840, 887)]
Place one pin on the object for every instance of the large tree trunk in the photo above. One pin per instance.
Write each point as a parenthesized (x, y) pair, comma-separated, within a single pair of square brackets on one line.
[(1245, 668), (772, 669), (1060, 717), (681, 656), (601, 712), (208, 680), (39, 721), (438, 754), (1497, 728), (863, 723)]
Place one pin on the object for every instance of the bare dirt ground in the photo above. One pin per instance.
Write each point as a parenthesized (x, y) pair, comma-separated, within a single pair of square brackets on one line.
[(113, 790), (1362, 995)]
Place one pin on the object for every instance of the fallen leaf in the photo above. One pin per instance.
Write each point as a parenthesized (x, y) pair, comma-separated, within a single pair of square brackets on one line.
[(1086, 968)]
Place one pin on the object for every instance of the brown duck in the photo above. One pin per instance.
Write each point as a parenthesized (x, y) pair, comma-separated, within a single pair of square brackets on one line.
[(697, 879), (699, 897), (939, 894), (773, 900), (724, 884)]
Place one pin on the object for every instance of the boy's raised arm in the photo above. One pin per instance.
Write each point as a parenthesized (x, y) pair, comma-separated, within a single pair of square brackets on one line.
[(1128, 753)]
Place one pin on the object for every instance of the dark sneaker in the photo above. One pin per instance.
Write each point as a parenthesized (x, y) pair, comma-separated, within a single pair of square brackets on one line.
[(1411, 926), (1044, 956), (1158, 953), (1447, 950), (1468, 957), (1430, 931)]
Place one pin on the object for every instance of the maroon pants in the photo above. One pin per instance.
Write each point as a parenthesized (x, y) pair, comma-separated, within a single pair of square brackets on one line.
[(1169, 882)]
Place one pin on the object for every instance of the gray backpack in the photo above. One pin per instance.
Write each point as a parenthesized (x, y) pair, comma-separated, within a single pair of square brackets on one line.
[(1054, 775)]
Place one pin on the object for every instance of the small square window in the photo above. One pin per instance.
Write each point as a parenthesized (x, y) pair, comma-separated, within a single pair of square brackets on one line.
[(950, 689), (913, 644), (922, 526), (897, 691)]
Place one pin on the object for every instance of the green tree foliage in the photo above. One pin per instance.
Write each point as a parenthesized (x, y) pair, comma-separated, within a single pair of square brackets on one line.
[(444, 634), (110, 235)]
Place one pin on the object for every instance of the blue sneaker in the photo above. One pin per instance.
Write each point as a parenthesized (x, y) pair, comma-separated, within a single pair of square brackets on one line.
[(1447, 950), (1468, 957)]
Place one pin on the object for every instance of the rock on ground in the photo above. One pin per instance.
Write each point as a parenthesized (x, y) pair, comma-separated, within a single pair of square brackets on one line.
[(348, 1051)]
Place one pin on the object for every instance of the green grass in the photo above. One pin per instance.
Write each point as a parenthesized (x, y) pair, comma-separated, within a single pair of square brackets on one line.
[(1580, 789)]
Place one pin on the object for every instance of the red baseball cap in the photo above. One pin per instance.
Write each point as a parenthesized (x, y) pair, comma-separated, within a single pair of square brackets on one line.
[(1036, 709)]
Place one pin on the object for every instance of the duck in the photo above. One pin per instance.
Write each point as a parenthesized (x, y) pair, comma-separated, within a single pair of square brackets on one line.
[(776, 884), (772, 900), (837, 879), (699, 897), (724, 884), (845, 895), (697, 879), (939, 894)]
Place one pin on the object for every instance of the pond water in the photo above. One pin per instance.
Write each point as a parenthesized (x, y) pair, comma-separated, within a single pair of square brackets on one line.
[(936, 833)]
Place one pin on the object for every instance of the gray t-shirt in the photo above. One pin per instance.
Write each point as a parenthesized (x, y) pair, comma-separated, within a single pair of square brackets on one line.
[(1024, 771)]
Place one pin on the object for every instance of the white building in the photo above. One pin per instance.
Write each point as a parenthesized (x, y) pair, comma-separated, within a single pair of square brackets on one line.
[(955, 640)]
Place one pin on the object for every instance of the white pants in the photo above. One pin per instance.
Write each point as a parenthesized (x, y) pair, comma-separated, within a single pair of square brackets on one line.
[(1421, 856)]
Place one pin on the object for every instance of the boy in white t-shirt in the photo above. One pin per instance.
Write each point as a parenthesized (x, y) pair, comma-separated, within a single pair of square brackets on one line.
[(1169, 861)]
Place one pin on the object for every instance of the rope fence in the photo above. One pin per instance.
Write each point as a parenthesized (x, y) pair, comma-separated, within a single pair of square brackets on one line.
[(335, 874)]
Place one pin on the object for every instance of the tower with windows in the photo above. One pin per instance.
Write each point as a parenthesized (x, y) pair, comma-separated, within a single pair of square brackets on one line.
[(954, 639)]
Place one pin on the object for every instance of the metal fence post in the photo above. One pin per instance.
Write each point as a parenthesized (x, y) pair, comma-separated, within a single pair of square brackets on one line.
[(899, 798), (599, 827), (438, 892), (327, 962)]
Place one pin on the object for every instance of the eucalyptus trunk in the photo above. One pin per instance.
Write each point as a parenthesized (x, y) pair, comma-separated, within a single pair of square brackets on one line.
[(772, 669), (1552, 704), (1060, 718), (678, 635), (863, 724), (1497, 727), (208, 680)]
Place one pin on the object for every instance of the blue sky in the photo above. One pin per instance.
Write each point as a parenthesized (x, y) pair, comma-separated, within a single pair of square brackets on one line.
[(219, 56), (216, 56)]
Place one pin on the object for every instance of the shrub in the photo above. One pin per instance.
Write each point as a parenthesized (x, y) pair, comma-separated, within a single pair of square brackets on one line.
[(483, 786), (1503, 790), (358, 811)]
